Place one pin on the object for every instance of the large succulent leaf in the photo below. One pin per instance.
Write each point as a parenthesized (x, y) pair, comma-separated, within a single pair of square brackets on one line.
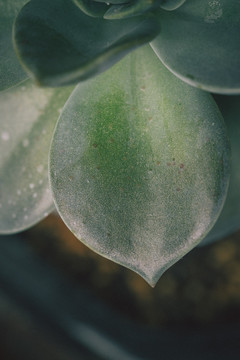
[(59, 44), (200, 43), (229, 220), (27, 119), (11, 71), (139, 164)]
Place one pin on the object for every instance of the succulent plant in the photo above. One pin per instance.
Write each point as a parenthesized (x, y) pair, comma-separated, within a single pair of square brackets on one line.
[(107, 114)]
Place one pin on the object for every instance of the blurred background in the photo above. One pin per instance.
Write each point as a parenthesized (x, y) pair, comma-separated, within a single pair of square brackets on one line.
[(59, 300)]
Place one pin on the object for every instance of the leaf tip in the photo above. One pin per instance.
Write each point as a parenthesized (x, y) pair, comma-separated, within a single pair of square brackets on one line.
[(151, 278)]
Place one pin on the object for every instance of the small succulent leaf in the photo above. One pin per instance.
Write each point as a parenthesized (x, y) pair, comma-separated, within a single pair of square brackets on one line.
[(27, 118), (115, 9), (11, 71), (200, 43), (171, 4), (229, 220), (139, 164), (132, 8), (58, 55), (92, 8)]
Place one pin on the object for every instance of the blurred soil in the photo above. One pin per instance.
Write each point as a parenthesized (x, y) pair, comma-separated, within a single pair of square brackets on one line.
[(201, 289)]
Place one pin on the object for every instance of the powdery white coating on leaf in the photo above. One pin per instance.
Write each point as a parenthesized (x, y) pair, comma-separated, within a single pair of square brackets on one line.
[(137, 169), (5, 136), (214, 11), (24, 190), (25, 142)]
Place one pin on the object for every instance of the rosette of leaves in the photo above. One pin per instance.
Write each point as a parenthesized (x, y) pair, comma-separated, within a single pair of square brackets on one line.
[(138, 164)]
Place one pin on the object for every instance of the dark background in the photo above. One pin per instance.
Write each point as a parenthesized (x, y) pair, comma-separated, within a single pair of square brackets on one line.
[(59, 300)]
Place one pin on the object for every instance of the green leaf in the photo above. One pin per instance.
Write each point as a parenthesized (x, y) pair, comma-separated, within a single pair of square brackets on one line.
[(11, 71), (229, 220), (200, 43), (27, 119), (64, 46), (139, 164)]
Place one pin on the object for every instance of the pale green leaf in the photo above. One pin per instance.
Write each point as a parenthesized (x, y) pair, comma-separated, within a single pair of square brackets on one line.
[(11, 71), (200, 43), (139, 164), (229, 220), (27, 119), (65, 46)]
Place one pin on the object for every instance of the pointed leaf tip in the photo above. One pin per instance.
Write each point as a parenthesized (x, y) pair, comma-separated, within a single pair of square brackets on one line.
[(139, 165)]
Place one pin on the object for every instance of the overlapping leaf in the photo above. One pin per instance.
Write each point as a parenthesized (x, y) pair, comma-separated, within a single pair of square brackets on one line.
[(11, 71), (139, 164), (200, 43), (59, 44), (229, 220), (27, 119)]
